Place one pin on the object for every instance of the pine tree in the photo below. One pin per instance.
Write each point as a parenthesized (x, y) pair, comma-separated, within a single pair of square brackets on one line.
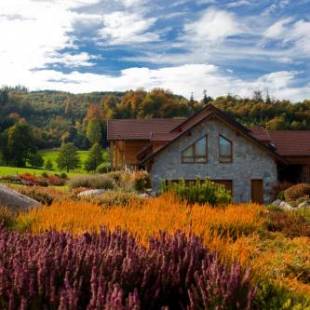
[(68, 157), (94, 158)]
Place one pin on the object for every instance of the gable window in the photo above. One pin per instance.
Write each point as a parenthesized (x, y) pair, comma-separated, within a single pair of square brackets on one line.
[(225, 150), (196, 153)]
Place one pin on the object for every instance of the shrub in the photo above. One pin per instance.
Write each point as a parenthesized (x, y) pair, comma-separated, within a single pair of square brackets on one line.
[(35, 160), (290, 224), (116, 198), (277, 191), (94, 182), (297, 191), (142, 180), (104, 167), (56, 180), (111, 271), (48, 165), (7, 217), (64, 176), (38, 194), (198, 191)]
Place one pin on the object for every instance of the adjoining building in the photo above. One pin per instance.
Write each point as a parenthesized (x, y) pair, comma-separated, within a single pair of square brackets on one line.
[(211, 144)]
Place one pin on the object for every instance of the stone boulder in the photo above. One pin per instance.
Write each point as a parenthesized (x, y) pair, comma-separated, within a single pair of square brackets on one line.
[(15, 201), (286, 206), (276, 203), (91, 193)]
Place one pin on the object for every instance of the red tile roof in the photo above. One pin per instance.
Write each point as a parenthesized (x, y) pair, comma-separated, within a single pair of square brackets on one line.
[(286, 142), (291, 143), (140, 129)]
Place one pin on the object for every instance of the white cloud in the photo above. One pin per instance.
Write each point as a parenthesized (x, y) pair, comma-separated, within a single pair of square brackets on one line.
[(33, 32), (278, 29), (182, 80), (293, 32), (123, 27), (213, 25)]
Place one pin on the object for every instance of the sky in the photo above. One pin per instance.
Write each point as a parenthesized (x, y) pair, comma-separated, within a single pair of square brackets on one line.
[(186, 46)]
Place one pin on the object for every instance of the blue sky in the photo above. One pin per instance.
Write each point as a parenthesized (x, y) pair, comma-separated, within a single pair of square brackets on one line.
[(186, 46)]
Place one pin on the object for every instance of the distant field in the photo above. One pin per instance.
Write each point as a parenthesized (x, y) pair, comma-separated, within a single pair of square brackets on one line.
[(52, 156), (16, 170)]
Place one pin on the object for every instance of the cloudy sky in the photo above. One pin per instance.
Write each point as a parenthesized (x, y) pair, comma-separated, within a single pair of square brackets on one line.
[(186, 46)]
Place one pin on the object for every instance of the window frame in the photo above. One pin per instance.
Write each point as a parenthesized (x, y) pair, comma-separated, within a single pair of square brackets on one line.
[(195, 159), (225, 159)]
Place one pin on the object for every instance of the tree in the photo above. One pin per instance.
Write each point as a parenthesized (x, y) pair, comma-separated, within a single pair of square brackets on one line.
[(21, 144), (68, 157), (93, 132), (206, 99), (35, 160), (49, 165), (94, 158)]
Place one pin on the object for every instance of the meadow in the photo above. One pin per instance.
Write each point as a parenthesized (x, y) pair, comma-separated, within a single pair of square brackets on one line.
[(244, 235), (123, 249)]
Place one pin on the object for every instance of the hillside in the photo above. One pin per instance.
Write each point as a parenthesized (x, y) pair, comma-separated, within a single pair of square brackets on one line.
[(58, 116)]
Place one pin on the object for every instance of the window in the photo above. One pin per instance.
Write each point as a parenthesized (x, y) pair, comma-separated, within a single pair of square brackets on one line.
[(225, 150), (196, 153)]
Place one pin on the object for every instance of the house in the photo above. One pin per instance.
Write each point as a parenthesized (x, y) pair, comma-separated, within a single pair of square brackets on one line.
[(212, 144)]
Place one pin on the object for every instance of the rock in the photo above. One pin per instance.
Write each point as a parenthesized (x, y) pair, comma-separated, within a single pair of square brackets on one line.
[(277, 203), (304, 204), (286, 206), (144, 195), (13, 200), (91, 193)]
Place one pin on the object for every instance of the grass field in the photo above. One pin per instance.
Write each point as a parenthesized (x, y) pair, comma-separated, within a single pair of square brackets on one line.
[(52, 156), (15, 170)]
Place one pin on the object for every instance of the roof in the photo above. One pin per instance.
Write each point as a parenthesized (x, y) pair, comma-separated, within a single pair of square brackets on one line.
[(140, 129), (202, 114), (211, 112), (291, 143)]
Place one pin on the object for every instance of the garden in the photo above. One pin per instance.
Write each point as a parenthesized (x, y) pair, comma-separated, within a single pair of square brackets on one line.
[(104, 242)]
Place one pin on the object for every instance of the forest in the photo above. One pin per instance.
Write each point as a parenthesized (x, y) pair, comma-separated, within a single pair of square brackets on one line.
[(31, 121)]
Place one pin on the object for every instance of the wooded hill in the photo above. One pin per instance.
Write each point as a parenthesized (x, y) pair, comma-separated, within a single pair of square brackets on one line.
[(58, 116)]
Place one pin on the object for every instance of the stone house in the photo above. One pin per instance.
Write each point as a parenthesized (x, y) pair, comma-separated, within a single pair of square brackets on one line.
[(211, 144)]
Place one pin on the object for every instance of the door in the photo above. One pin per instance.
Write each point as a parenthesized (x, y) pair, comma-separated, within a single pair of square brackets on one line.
[(257, 191)]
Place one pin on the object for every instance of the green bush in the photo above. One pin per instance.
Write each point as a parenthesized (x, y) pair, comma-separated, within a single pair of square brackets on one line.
[(297, 191), (198, 191), (142, 180), (104, 167), (94, 182)]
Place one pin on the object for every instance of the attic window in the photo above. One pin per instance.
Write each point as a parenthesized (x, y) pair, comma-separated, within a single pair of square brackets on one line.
[(197, 152), (225, 150)]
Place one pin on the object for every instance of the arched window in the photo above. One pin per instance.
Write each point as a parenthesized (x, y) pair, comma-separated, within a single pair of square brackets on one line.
[(225, 150), (197, 152)]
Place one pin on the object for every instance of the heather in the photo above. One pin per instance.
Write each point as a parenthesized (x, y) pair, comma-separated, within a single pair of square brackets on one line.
[(112, 271), (273, 244)]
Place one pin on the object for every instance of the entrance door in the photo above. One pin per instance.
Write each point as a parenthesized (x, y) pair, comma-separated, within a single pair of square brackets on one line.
[(257, 191)]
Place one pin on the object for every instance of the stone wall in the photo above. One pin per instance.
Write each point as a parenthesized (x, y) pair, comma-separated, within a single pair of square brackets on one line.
[(249, 162)]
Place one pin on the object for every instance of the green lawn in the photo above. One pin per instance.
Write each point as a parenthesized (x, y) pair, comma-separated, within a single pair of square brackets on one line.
[(15, 170), (53, 154)]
